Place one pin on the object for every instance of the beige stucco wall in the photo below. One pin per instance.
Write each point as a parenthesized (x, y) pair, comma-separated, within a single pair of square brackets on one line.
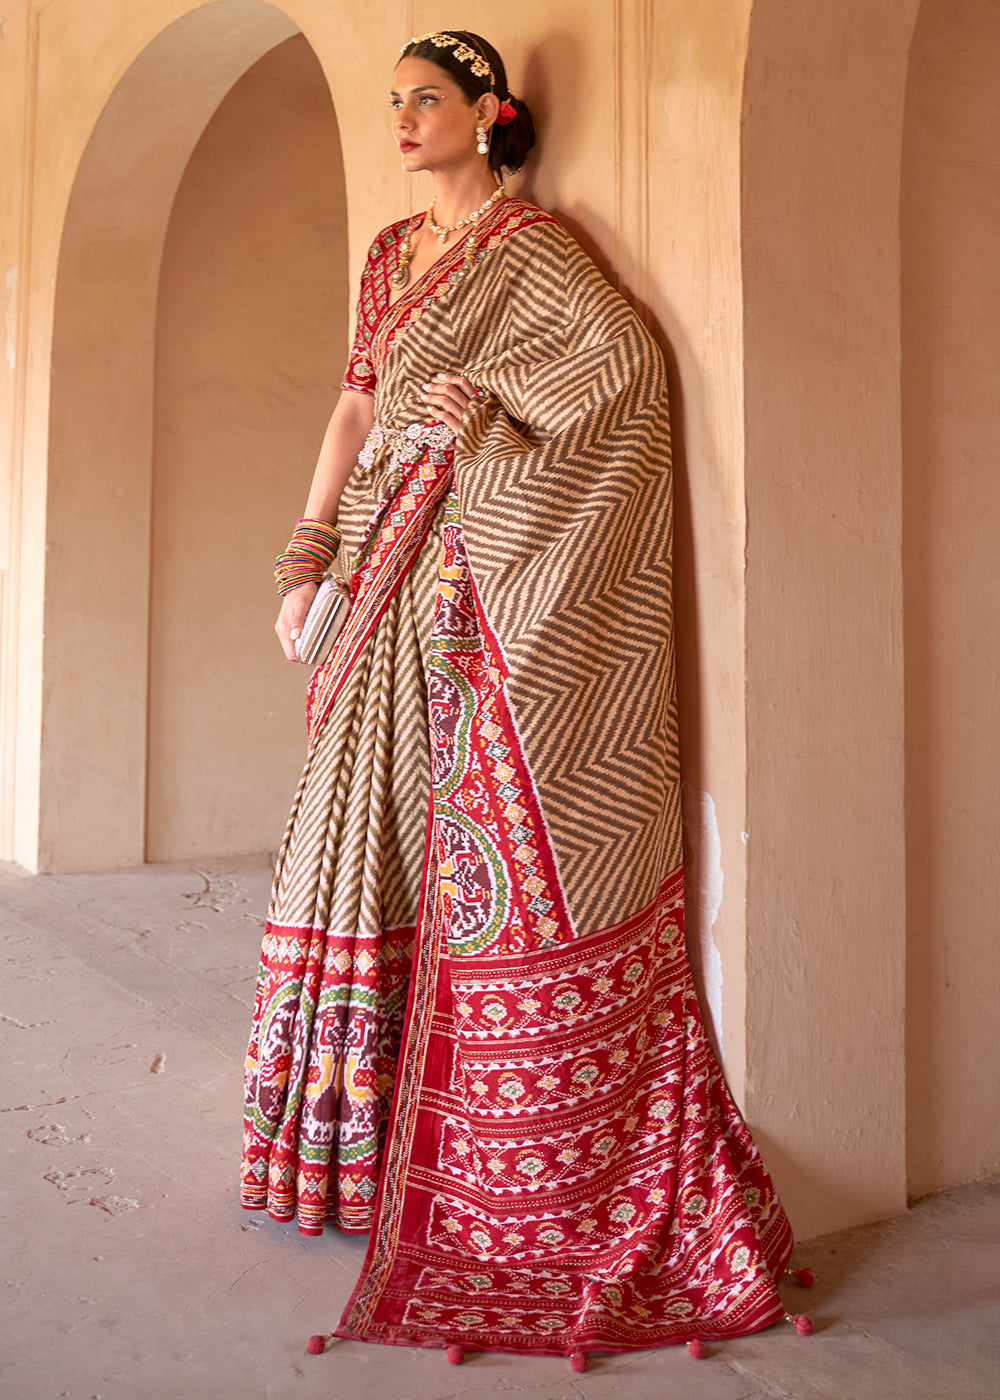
[(951, 499), (826, 889), (742, 180)]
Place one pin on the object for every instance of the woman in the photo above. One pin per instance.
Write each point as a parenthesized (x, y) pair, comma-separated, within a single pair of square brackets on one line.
[(475, 1031)]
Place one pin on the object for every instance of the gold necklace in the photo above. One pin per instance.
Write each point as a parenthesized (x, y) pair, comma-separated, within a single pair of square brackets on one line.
[(441, 231)]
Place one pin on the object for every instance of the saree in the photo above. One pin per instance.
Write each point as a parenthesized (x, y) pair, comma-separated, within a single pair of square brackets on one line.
[(475, 1032)]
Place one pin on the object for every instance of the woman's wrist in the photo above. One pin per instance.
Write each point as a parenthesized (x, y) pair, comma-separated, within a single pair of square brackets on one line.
[(310, 552)]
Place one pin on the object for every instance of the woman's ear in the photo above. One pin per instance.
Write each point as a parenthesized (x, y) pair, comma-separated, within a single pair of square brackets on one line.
[(487, 108)]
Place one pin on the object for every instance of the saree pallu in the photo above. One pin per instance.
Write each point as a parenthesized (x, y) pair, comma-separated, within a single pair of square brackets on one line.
[(562, 1167)]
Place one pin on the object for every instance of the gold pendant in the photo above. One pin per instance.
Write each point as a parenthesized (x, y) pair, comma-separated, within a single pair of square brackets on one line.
[(401, 276)]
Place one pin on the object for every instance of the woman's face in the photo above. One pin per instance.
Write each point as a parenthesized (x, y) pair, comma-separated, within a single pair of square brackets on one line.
[(432, 123)]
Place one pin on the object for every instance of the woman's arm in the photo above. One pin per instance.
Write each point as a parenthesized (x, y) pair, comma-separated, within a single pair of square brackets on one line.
[(350, 423)]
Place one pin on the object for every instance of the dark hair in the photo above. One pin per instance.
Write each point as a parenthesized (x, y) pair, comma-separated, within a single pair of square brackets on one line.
[(510, 144)]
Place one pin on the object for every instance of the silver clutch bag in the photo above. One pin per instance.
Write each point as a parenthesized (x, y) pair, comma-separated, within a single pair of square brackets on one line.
[(323, 621)]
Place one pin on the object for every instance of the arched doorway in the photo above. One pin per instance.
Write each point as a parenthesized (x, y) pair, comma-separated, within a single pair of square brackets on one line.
[(101, 436), (251, 325)]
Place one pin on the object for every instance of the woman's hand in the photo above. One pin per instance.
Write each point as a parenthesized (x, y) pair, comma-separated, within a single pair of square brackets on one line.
[(448, 396), (294, 606)]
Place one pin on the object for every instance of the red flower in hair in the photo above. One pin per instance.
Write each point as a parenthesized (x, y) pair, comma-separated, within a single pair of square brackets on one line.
[(506, 114)]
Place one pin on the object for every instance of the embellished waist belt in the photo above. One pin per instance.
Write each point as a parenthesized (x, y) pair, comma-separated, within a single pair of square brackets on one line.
[(388, 452)]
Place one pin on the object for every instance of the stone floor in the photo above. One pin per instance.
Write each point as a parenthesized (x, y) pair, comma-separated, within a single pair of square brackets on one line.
[(132, 1274)]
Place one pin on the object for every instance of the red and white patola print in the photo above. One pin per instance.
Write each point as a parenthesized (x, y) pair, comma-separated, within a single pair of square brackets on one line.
[(565, 1168)]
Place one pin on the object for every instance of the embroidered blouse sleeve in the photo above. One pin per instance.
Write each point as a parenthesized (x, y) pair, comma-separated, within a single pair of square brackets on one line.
[(360, 375)]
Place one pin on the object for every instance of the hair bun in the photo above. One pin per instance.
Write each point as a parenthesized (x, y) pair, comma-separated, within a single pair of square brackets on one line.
[(513, 138)]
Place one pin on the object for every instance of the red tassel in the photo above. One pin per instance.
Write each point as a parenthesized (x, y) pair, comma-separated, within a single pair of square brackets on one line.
[(697, 1349), (578, 1360), (317, 1345), (805, 1278), (455, 1354), (802, 1323)]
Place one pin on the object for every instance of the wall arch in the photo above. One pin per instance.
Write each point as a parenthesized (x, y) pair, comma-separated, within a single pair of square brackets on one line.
[(251, 324), (92, 787)]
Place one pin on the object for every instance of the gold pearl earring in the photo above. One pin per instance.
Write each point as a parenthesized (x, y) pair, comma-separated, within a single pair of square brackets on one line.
[(483, 145)]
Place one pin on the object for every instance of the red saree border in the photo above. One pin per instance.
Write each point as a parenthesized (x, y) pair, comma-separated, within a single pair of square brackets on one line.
[(407, 1293), (385, 559), (292, 1165)]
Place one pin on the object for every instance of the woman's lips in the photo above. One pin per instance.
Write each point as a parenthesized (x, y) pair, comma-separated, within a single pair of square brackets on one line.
[(405, 146)]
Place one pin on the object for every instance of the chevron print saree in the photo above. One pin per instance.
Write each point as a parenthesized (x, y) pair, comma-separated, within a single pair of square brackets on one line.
[(475, 1031)]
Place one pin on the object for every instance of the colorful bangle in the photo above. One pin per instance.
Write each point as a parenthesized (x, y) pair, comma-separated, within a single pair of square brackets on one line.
[(310, 552)]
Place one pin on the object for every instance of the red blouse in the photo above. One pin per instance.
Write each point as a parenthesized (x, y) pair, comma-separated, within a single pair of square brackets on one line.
[(380, 325)]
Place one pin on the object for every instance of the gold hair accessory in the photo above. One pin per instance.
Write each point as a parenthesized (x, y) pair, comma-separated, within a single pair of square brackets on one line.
[(463, 53)]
